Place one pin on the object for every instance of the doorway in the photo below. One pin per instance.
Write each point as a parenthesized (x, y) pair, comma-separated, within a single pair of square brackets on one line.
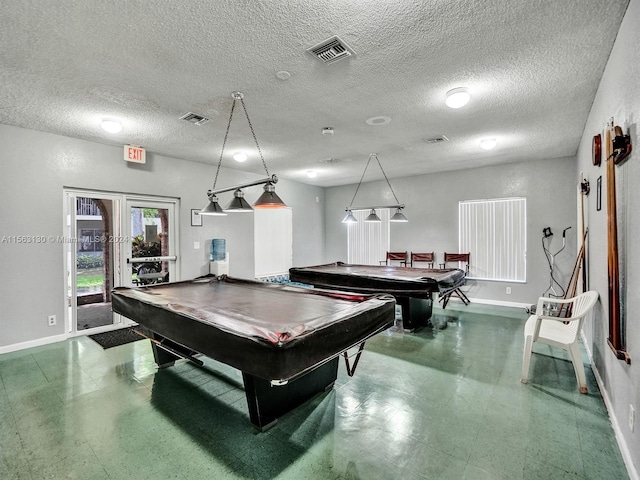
[(114, 240)]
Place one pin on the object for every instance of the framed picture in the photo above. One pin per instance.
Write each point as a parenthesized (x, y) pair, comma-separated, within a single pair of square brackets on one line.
[(599, 194), (196, 218)]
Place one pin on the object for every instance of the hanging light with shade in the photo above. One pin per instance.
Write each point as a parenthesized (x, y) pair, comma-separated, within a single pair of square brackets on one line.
[(269, 199), (373, 216)]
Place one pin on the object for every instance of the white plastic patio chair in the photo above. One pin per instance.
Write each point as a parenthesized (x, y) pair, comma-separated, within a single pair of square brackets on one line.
[(550, 325)]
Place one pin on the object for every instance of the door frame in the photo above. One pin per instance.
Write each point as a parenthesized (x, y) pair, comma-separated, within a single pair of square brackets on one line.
[(121, 250), (144, 201)]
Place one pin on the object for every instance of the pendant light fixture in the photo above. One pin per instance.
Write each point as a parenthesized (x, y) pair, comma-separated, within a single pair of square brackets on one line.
[(269, 199), (373, 216)]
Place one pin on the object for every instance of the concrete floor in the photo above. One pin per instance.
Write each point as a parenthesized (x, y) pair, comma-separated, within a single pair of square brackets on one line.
[(444, 403)]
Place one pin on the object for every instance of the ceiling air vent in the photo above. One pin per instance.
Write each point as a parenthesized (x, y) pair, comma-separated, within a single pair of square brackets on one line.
[(333, 160), (194, 118), (331, 50), (439, 139)]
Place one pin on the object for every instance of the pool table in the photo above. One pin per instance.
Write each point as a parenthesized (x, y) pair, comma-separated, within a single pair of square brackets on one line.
[(413, 288), (286, 340)]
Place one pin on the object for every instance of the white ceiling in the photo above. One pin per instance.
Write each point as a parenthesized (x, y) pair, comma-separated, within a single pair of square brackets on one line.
[(532, 67)]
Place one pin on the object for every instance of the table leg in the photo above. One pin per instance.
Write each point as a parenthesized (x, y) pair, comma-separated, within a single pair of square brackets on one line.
[(416, 312), (267, 402)]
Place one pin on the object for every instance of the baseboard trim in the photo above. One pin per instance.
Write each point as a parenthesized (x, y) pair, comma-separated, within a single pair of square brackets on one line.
[(499, 303), (33, 343), (39, 342), (622, 443)]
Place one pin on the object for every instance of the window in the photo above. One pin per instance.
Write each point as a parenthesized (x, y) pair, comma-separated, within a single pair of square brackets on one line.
[(494, 233), (368, 242)]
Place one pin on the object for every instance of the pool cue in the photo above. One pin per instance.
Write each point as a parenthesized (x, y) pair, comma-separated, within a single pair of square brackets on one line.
[(615, 328)]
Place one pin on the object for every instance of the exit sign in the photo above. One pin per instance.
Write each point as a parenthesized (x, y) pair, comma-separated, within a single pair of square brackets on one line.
[(135, 154)]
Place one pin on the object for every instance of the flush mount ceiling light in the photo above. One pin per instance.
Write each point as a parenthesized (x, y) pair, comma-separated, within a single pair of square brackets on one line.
[(488, 143), (111, 126), (380, 120), (458, 97), (240, 157), (269, 199), (373, 216), (312, 173)]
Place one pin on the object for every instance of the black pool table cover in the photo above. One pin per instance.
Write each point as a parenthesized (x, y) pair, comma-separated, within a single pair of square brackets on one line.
[(271, 331), (393, 280)]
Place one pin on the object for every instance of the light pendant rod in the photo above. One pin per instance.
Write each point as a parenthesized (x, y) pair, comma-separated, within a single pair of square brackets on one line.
[(374, 207), (224, 142), (240, 96), (271, 179), (359, 183), (385, 177)]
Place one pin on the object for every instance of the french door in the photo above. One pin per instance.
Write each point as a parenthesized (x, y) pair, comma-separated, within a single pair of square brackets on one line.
[(114, 240)]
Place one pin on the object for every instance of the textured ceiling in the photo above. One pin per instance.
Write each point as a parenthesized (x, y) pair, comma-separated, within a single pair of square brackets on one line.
[(532, 68)]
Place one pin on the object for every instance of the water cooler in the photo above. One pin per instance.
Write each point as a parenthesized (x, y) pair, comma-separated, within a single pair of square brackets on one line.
[(219, 257)]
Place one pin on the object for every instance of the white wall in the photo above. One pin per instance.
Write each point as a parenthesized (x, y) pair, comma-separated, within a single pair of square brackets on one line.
[(618, 96), (35, 167), (432, 209)]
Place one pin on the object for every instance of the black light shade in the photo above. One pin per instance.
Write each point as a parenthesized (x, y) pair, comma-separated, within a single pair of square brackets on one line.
[(238, 204), (213, 207), (373, 217), (350, 218), (269, 198), (398, 217)]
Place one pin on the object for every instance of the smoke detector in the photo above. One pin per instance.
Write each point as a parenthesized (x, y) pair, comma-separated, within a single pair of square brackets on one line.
[(327, 131), (194, 118), (331, 50)]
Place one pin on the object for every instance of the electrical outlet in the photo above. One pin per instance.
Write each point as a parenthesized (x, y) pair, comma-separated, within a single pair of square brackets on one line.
[(52, 320), (508, 290), (632, 417)]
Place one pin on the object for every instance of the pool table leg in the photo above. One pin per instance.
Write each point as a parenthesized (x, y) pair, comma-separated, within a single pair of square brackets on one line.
[(416, 312), (267, 403)]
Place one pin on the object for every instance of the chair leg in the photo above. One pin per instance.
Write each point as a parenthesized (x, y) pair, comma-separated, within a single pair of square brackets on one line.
[(462, 296), (578, 367), (526, 358)]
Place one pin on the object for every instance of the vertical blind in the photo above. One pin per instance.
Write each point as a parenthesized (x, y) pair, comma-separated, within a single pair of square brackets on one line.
[(494, 233), (368, 242)]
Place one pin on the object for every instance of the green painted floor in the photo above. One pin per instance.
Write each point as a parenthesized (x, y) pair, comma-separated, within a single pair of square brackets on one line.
[(442, 403)]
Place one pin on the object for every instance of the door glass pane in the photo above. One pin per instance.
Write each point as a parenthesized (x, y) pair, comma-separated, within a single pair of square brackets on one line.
[(149, 240), (94, 261)]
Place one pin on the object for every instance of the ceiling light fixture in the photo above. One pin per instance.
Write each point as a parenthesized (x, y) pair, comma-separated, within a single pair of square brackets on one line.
[(458, 97), (380, 120), (240, 157), (268, 199), (373, 216), (312, 173), (111, 126), (488, 143)]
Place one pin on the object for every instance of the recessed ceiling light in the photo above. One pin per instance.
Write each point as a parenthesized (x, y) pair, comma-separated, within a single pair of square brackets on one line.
[(380, 120), (488, 143), (458, 97), (240, 156), (312, 173), (283, 75), (111, 126)]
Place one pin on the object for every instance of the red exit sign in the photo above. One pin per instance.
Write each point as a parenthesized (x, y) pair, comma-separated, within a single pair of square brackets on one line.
[(135, 154)]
